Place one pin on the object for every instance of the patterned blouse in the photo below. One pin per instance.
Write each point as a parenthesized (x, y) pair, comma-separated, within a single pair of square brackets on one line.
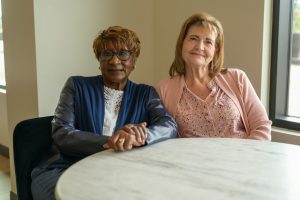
[(216, 116), (113, 99)]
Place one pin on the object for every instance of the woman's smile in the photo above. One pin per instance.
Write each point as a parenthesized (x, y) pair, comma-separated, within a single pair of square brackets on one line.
[(115, 70)]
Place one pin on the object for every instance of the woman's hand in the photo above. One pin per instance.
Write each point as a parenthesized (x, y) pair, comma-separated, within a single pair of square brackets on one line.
[(129, 136)]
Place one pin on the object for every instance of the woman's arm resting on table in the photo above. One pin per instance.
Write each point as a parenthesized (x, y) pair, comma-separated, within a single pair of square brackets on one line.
[(69, 140), (161, 125), (259, 123)]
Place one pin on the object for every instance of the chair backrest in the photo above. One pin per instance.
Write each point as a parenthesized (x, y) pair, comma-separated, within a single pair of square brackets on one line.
[(31, 142)]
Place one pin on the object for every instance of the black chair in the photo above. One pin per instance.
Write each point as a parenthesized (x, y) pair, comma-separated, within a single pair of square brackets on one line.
[(31, 143)]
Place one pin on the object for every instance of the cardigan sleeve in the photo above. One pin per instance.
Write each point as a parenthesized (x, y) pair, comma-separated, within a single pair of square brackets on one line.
[(161, 124), (69, 140), (258, 121)]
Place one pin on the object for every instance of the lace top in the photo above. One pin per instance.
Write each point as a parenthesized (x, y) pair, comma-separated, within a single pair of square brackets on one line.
[(113, 99), (216, 116)]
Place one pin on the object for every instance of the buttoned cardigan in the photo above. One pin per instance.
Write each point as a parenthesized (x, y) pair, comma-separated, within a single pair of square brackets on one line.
[(235, 83)]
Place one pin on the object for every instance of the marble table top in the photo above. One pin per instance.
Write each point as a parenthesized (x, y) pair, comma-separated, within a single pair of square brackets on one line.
[(194, 168)]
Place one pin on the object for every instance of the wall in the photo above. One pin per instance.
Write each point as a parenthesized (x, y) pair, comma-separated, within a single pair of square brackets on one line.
[(243, 32), (64, 41), (4, 141), (20, 67)]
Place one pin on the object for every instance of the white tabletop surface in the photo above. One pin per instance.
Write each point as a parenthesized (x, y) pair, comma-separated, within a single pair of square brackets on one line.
[(195, 168)]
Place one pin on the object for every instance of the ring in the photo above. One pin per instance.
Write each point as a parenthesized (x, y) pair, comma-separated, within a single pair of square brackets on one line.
[(130, 126), (121, 140)]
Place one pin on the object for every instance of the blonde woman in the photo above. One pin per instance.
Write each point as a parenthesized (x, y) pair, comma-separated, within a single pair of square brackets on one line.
[(206, 99)]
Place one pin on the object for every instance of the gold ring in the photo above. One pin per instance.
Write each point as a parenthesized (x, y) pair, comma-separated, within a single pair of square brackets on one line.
[(121, 140), (130, 126)]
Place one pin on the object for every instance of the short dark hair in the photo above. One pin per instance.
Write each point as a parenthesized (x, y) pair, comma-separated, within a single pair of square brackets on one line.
[(117, 36)]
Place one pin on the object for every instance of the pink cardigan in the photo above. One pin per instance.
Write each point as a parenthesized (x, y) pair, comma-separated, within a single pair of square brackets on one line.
[(237, 86)]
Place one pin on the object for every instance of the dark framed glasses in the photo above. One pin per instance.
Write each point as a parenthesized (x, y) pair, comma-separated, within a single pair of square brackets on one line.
[(122, 55)]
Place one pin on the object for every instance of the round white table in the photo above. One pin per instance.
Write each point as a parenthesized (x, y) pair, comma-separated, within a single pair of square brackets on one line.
[(194, 168)]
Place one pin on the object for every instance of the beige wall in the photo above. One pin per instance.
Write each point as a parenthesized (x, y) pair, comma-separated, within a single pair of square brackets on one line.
[(4, 141), (65, 30), (20, 66), (243, 26), (47, 41)]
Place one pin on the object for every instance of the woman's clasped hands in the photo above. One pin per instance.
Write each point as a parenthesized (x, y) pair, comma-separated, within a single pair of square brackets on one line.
[(127, 137)]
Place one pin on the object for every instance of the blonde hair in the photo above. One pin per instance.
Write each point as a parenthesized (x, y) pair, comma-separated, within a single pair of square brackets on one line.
[(117, 36), (212, 24)]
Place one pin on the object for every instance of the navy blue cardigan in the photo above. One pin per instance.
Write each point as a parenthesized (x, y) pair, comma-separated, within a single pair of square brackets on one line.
[(78, 121), (89, 104)]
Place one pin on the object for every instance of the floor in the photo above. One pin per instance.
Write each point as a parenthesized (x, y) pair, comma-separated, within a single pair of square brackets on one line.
[(4, 178)]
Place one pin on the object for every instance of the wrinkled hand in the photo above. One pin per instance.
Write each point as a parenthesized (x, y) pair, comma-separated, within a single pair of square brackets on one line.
[(129, 136)]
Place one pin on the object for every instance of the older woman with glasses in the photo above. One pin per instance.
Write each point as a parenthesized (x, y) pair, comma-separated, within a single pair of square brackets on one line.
[(105, 111)]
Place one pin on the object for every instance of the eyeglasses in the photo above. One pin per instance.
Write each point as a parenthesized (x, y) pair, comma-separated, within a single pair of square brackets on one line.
[(122, 55)]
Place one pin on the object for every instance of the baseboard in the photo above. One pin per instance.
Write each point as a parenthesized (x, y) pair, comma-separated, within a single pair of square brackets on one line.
[(13, 196), (4, 151)]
